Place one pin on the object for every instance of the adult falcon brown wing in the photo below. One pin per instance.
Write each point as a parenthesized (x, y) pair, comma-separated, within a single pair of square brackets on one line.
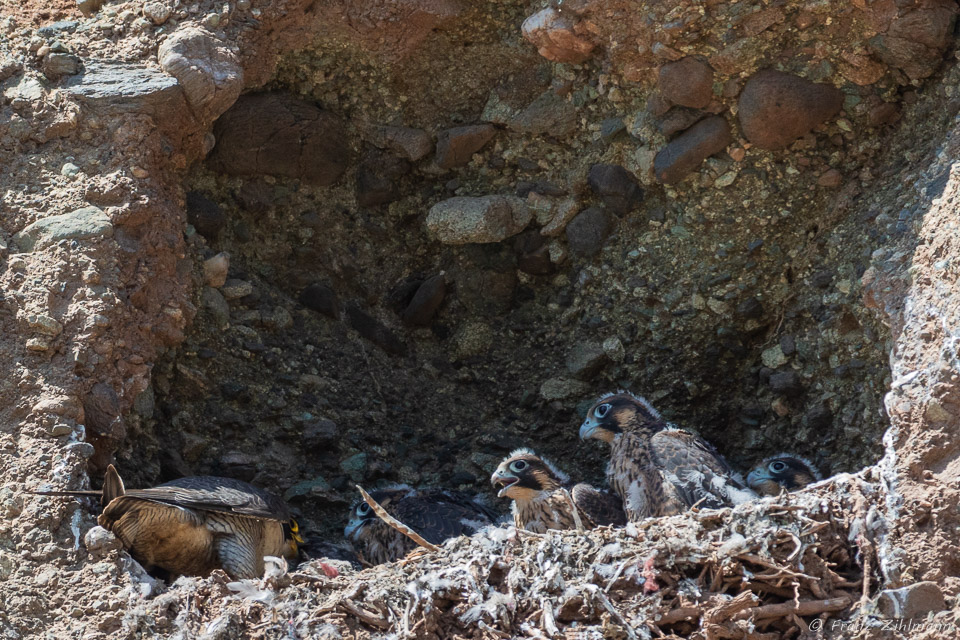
[(211, 493)]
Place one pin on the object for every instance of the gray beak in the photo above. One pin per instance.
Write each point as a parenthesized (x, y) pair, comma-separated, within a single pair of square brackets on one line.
[(502, 480), (588, 428), (756, 477)]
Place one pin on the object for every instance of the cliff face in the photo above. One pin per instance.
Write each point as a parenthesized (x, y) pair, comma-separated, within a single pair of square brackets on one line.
[(315, 244)]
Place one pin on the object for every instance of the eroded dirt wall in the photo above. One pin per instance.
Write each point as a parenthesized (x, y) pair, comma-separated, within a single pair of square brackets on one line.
[(734, 295)]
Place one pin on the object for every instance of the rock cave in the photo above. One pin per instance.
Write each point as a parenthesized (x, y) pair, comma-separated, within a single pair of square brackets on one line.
[(311, 245)]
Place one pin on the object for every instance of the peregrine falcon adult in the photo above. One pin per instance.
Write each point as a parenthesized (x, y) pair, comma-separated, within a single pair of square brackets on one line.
[(657, 469), (782, 472), (435, 514), (544, 498), (193, 525)]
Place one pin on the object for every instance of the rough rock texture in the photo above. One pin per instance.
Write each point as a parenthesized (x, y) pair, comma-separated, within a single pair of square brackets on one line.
[(87, 223), (482, 219), (280, 136), (616, 187), (750, 302), (587, 233), (205, 68), (114, 86), (777, 108), (687, 82), (555, 37), (412, 144), (688, 150), (456, 146)]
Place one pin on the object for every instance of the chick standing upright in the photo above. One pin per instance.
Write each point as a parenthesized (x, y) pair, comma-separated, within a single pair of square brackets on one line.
[(655, 468)]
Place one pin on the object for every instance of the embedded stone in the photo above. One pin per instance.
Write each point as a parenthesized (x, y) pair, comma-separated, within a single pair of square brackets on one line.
[(101, 410), (914, 41), (588, 232), (586, 359), (687, 82), (426, 302), (617, 187), (776, 108), (456, 146), (282, 136), (549, 114), (687, 151), (209, 73), (555, 37), (205, 215), (321, 298), (215, 270), (483, 219), (60, 64), (112, 86), (406, 142), (80, 224)]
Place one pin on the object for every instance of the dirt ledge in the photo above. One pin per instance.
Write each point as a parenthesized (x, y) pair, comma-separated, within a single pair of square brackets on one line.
[(138, 287)]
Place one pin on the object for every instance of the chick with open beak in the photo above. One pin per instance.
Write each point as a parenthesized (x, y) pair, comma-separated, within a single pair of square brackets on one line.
[(544, 498)]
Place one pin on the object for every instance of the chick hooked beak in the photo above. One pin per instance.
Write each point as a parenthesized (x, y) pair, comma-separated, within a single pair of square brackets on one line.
[(763, 483), (757, 477), (588, 428), (351, 529), (504, 481)]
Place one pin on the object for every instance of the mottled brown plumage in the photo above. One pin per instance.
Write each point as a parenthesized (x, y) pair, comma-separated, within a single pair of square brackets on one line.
[(544, 498), (656, 469), (782, 472), (193, 525), (435, 514)]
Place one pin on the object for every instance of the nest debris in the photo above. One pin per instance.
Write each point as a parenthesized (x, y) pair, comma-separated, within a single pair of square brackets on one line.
[(759, 571)]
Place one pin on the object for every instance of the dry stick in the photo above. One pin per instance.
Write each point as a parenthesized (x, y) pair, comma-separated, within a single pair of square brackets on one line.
[(364, 616), (814, 529), (749, 557), (805, 608), (732, 608), (394, 523), (623, 565), (797, 549), (867, 550), (547, 621), (496, 632), (679, 615), (605, 601)]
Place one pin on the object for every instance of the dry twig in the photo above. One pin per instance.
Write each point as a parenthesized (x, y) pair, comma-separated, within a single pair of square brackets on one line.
[(396, 524)]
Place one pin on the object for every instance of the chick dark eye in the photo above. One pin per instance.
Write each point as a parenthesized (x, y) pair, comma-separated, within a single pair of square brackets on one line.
[(519, 465), (777, 466), (602, 410), (363, 509)]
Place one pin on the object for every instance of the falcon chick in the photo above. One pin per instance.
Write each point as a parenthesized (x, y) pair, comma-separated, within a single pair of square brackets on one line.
[(657, 469), (194, 525), (782, 472), (542, 496), (435, 514)]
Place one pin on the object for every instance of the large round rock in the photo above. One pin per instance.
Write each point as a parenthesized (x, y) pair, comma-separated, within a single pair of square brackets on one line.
[(776, 108), (278, 135)]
